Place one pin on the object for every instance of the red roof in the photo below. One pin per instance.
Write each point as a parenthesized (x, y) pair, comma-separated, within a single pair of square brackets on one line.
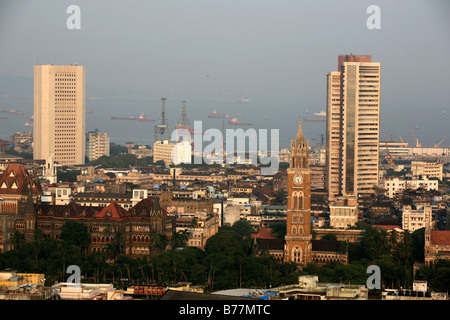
[(440, 237), (112, 211), (263, 233), (385, 227), (16, 180)]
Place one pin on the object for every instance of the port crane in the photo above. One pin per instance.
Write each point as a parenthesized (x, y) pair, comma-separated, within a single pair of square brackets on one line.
[(437, 144), (418, 144), (388, 155)]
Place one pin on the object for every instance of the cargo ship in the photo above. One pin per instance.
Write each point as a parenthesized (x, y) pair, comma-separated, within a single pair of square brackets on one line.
[(143, 118), (123, 118), (13, 111), (318, 117), (314, 119), (215, 114), (236, 122)]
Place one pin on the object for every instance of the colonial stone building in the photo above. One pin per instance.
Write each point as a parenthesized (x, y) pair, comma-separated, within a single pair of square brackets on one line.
[(437, 245), (298, 237), (138, 226), (299, 245), (18, 194)]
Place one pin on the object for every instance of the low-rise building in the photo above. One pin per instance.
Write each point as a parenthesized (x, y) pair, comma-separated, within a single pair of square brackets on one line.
[(413, 220), (397, 185), (437, 245), (200, 225), (343, 212), (172, 152), (427, 169), (309, 288), (91, 291)]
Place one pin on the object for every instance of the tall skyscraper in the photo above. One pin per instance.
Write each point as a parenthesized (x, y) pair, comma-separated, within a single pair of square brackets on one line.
[(59, 113), (298, 246), (353, 122)]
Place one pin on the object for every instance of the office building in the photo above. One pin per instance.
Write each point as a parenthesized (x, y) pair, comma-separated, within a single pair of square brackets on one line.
[(428, 169), (353, 116), (172, 153), (59, 113)]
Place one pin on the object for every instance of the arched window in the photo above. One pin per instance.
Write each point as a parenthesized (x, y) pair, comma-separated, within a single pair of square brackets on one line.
[(297, 254), (294, 230)]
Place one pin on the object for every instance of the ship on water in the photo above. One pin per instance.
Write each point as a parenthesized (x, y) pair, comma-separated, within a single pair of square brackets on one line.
[(143, 118), (318, 117), (215, 114), (13, 111), (123, 118), (235, 121)]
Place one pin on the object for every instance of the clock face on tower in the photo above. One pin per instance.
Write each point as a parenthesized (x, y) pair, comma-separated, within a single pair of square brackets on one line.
[(298, 179)]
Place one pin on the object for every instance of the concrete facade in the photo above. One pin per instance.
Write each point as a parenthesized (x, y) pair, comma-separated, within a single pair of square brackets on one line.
[(59, 113)]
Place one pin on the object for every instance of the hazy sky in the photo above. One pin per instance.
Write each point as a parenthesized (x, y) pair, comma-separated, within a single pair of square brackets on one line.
[(277, 53)]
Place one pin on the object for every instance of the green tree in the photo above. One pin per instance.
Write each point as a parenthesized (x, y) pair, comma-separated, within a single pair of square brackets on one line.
[(76, 233), (17, 239)]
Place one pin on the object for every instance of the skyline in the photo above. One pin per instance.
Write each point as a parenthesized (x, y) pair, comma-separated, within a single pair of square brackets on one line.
[(275, 54)]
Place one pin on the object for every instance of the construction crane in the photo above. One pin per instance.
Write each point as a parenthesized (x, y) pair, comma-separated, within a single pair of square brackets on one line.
[(418, 144), (437, 144), (388, 155), (401, 139)]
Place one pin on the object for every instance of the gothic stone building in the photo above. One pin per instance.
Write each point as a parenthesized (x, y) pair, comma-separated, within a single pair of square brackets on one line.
[(299, 247), (18, 194), (138, 225)]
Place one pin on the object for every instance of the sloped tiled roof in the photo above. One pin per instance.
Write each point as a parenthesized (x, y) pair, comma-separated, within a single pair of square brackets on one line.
[(147, 208), (16, 180), (325, 245), (271, 244), (112, 211), (144, 209), (71, 210), (264, 233), (440, 237)]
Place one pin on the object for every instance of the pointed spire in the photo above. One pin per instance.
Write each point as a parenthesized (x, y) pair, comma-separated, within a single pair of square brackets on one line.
[(300, 132)]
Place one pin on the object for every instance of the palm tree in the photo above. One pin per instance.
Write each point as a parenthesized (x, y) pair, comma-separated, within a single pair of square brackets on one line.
[(393, 239), (159, 241), (17, 239), (180, 238), (116, 247)]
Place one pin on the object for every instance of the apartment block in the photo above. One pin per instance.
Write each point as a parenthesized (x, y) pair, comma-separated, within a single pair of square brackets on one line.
[(428, 169), (97, 144)]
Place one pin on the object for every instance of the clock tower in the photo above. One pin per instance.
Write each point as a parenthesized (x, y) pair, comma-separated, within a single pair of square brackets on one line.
[(298, 237)]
